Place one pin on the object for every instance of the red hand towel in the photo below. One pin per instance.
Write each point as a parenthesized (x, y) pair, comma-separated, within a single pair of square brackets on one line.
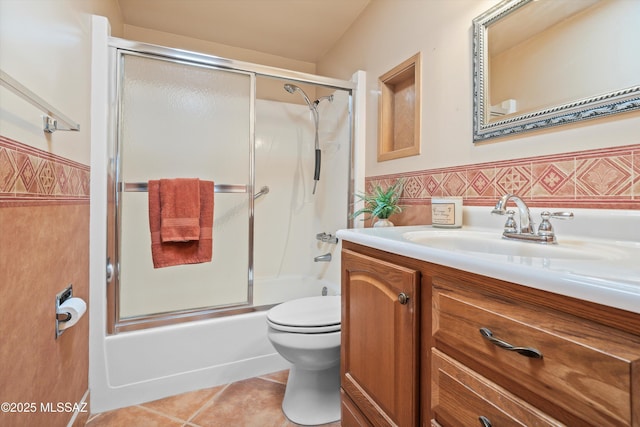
[(179, 209), (166, 254)]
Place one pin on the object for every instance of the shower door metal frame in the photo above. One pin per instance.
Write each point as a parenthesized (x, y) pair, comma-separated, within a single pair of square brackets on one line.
[(118, 49), (117, 186)]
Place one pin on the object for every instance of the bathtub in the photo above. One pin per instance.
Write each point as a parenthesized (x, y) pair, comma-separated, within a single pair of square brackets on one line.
[(150, 364)]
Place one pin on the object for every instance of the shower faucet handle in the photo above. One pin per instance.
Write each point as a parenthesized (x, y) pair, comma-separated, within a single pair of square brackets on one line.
[(326, 238)]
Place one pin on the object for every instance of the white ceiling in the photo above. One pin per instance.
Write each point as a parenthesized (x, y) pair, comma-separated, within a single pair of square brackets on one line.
[(297, 29)]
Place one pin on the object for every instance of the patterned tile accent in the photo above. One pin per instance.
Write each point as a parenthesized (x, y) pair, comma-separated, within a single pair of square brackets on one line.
[(604, 175), (30, 175), (514, 179), (602, 178), (553, 179), (481, 182), (635, 187)]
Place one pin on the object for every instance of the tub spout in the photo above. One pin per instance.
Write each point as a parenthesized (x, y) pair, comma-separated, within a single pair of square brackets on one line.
[(323, 258)]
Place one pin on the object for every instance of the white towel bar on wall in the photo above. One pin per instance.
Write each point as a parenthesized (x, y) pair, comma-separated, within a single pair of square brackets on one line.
[(51, 122)]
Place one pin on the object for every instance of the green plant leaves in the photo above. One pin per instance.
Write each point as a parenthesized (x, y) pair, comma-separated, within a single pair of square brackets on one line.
[(381, 203)]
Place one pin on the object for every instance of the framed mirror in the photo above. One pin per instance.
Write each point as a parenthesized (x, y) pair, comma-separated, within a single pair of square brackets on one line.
[(543, 63)]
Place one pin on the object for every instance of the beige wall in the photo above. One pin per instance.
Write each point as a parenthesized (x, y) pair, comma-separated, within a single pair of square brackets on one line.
[(45, 45), (390, 31)]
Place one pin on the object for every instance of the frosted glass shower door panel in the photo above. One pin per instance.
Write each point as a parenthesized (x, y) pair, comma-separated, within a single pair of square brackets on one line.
[(184, 121)]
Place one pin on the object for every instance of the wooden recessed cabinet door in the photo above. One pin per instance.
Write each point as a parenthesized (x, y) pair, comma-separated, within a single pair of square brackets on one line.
[(379, 367)]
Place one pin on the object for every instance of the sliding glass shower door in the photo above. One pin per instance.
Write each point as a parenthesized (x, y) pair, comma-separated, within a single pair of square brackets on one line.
[(183, 120)]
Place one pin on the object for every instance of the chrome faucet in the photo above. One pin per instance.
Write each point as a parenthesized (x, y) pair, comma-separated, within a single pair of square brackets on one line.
[(526, 230), (323, 258), (526, 223)]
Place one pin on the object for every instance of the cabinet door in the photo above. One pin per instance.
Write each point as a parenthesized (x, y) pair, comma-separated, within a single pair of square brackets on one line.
[(379, 368)]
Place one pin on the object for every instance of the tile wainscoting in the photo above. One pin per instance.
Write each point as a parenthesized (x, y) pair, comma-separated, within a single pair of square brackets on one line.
[(44, 247), (607, 178), (31, 175)]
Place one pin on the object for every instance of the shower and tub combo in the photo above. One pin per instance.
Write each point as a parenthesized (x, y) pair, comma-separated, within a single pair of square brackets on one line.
[(171, 330)]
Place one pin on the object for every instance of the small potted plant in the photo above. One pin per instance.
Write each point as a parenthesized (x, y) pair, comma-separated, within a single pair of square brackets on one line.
[(381, 204)]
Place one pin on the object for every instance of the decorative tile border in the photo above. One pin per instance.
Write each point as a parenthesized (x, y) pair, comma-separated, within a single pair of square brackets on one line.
[(603, 178), (29, 175)]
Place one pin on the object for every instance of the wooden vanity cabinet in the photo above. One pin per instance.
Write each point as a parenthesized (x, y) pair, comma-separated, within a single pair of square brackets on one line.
[(427, 362)]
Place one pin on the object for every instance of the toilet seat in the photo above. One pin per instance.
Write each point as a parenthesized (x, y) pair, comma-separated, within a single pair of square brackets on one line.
[(312, 315)]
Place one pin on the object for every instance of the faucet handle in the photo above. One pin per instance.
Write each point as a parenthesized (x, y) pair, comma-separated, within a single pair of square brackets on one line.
[(510, 225), (545, 228), (326, 238), (560, 215)]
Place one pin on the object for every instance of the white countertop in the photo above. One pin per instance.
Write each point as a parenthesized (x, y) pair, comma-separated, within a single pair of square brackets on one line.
[(613, 280)]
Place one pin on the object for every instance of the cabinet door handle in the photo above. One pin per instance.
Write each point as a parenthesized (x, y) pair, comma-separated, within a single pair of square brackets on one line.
[(525, 351), (403, 298), (484, 421)]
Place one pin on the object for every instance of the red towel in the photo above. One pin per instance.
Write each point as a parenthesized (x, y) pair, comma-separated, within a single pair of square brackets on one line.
[(179, 209), (166, 254)]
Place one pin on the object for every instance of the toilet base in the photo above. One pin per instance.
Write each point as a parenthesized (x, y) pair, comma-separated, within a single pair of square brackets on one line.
[(312, 397)]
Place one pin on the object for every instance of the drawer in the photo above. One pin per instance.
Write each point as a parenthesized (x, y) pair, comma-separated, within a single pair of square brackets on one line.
[(461, 397), (590, 371)]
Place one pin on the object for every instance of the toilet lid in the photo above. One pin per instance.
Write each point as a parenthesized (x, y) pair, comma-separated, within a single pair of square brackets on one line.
[(307, 315)]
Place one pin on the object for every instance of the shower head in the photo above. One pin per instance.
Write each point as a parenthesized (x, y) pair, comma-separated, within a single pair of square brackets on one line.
[(293, 88)]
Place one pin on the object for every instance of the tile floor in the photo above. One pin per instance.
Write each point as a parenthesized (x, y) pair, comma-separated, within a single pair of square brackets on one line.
[(249, 403)]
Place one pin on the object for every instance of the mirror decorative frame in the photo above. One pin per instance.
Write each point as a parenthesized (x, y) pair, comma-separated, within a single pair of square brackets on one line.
[(598, 105)]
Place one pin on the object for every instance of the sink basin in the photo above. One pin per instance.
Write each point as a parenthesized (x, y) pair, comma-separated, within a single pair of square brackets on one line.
[(490, 243), (589, 262)]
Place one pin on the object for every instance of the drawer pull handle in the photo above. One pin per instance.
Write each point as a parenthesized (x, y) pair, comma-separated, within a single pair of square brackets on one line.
[(484, 421), (525, 351)]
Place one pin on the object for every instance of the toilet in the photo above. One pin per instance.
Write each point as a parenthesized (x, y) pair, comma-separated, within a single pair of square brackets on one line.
[(306, 332)]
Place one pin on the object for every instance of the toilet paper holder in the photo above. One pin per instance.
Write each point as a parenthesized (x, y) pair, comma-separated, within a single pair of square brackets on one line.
[(64, 316)]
